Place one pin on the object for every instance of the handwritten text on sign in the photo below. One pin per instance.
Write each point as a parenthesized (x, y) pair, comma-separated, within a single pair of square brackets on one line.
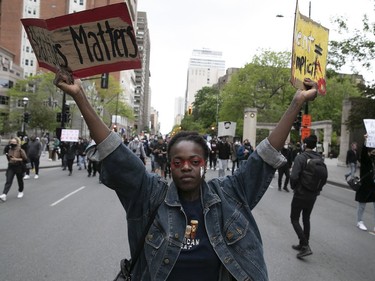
[(310, 49), (88, 47)]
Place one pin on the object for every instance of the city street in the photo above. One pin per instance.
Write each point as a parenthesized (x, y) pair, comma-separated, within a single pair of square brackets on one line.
[(74, 228)]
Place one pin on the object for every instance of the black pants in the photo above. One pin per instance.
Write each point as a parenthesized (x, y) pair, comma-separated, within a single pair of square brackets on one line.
[(283, 171), (34, 161), (92, 167), (213, 160), (234, 163), (304, 206), (10, 173)]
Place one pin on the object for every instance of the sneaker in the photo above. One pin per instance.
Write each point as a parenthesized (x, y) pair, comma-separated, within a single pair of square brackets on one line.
[(286, 189), (36, 177), (305, 251), (297, 247), (20, 195), (3, 197), (26, 177), (361, 226)]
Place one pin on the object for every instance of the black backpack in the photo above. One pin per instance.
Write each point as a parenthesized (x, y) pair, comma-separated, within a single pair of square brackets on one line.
[(314, 175)]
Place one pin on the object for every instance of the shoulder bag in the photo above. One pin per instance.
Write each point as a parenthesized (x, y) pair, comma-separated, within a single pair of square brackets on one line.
[(355, 183), (127, 265)]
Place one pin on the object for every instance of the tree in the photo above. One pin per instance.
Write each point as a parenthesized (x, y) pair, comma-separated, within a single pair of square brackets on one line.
[(262, 84)]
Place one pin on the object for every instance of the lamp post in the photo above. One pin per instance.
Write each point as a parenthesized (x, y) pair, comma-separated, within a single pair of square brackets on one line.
[(25, 101)]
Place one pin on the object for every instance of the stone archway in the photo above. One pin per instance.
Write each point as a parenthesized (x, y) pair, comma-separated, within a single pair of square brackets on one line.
[(250, 125)]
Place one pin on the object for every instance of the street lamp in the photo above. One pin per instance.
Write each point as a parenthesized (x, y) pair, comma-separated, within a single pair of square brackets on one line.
[(25, 101)]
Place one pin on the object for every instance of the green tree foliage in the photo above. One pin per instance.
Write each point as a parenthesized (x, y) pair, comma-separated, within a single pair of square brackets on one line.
[(262, 84), (112, 103), (357, 49), (41, 92)]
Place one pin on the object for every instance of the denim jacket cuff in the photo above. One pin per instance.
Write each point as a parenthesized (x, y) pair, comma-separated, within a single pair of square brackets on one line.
[(270, 155), (107, 146)]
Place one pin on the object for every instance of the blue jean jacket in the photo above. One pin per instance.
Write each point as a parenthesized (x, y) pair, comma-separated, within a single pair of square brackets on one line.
[(227, 204)]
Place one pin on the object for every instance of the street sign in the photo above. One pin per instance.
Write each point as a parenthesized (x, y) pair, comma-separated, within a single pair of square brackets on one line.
[(306, 120)]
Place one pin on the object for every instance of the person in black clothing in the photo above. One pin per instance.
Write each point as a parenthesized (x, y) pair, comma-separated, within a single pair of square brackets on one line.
[(285, 169), (366, 193), (303, 200), (213, 153), (352, 158), (223, 149)]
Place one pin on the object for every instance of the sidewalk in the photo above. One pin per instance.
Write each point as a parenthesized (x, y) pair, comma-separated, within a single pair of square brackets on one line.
[(335, 172)]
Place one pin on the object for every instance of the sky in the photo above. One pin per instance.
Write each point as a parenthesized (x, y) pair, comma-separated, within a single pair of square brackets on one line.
[(238, 28)]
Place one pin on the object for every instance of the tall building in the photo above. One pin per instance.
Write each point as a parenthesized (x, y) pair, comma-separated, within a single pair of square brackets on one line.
[(179, 110), (205, 68), (142, 97)]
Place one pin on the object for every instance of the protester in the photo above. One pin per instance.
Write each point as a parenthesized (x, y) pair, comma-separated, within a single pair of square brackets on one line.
[(202, 230), (223, 155), (285, 170), (34, 151), (213, 153), (138, 149), (366, 192), (303, 199), (352, 158), (15, 156)]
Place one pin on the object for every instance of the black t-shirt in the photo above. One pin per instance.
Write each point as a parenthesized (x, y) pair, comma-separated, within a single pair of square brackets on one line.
[(198, 260)]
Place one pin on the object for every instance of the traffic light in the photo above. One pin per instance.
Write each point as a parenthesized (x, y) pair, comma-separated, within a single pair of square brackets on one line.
[(104, 81), (58, 117), (190, 110), (298, 121), (26, 117), (66, 115)]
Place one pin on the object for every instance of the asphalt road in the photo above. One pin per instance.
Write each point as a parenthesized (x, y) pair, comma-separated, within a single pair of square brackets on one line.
[(73, 228)]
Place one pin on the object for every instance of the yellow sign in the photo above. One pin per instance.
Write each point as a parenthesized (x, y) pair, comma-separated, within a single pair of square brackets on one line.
[(309, 55)]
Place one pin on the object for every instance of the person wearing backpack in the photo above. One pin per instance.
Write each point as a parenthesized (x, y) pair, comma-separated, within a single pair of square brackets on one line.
[(308, 176)]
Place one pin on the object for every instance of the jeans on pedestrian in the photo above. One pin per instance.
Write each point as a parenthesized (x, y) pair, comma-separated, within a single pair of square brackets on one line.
[(234, 163), (223, 165), (304, 206), (82, 161), (353, 170), (10, 173), (361, 210)]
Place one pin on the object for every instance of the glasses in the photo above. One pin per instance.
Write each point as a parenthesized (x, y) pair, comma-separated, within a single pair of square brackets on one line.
[(194, 161)]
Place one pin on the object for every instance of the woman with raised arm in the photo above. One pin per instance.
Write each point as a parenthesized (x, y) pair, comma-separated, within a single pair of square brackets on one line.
[(203, 230)]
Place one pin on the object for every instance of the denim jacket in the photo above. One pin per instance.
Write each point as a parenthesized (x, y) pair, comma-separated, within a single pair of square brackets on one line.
[(227, 204)]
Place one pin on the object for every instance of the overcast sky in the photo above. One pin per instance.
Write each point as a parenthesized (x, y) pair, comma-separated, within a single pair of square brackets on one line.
[(238, 28)]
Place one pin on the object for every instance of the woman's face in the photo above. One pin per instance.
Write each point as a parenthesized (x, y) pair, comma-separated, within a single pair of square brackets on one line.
[(188, 167)]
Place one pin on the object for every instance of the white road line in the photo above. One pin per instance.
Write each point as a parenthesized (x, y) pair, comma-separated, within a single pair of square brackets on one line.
[(66, 196)]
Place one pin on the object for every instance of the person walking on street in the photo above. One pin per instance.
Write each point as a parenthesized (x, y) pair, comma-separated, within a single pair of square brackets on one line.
[(285, 170), (366, 193), (303, 198), (202, 230), (15, 156), (213, 153), (70, 154), (352, 160), (223, 153), (34, 151), (234, 150)]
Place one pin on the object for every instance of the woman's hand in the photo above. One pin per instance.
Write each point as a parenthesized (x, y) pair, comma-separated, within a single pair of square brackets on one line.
[(310, 91), (64, 80)]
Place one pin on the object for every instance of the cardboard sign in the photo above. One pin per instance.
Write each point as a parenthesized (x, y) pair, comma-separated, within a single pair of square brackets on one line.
[(227, 128), (69, 135), (309, 54), (94, 41), (370, 130)]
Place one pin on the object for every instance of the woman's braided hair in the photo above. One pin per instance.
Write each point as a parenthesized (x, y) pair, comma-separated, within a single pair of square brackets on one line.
[(189, 136)]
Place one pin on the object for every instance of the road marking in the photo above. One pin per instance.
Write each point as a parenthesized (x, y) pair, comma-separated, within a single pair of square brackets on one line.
[(66, 196)]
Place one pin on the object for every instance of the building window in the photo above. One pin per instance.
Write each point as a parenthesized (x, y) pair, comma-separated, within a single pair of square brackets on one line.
[(81, 2), (26, 62), (27, 49), (31, 62), (4, 100)]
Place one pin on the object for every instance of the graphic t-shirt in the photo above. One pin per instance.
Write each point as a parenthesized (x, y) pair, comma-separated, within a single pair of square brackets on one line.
[(198, 260)]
